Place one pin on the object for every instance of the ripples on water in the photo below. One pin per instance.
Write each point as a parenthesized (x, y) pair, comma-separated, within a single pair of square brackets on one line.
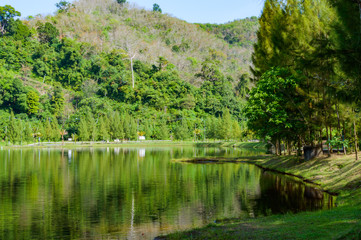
[(136, 193)]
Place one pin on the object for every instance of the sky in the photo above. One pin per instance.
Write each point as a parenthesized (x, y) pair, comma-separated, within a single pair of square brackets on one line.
[(200, 11)]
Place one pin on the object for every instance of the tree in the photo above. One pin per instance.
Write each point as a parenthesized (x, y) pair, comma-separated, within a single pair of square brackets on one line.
[(28, 133), (212, 127), (7, 15), (62, 133), (93, 129), (18, 30), (225, 126), (83, 130), (116, 126), (14, 129), (182, 131), (236, 131), (47, 33), (57, 100), (56, 131), (121, 1), (74, 137), (162, 63), (130, 127), (188, 102), (162, 130), (156, 8), (63, 6), (148, 129), (103, 129), (210, 72), (48, 131), (275, 107), (89, 88), (32, 100), (242, 85)]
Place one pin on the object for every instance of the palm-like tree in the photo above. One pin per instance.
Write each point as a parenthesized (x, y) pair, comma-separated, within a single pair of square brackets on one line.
[(62, 133)]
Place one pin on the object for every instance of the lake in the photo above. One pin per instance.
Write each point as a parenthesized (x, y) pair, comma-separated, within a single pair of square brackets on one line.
[(137, 193)]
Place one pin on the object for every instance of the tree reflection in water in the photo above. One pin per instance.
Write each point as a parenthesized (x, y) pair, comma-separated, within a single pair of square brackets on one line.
[(135, 193)]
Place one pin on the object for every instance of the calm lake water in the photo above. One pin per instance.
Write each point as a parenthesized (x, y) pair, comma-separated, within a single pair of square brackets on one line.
[(136, 193)]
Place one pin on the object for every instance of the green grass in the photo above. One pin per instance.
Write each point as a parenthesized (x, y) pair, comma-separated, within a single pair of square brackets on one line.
[(235, 144), (339, 174), (332, 224)]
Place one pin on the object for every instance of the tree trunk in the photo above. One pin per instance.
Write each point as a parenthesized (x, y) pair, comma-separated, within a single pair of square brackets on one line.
[(288, 147), (355, 133), (131, 66), (350, 137), (299, 146), (320, 140), (338, 121), (280, 147), (328, 145), (276, 147), (343, 133)]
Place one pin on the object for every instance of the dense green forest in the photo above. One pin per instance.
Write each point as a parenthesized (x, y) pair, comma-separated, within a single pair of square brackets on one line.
[(115, 71), (55, 86), (307, 65), (242, 32)]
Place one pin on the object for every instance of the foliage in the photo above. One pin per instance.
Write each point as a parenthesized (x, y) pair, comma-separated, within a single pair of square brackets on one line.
[(239, 32), (7, 15), (156, 8), (32, 99), (321, 43), (64, 87), (47, 32), (147, 35), (57, 101), (338, 143), (274, 106), (63, 6)]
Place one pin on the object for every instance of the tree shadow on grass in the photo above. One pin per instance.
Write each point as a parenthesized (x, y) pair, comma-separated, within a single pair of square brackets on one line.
[(332, 224)]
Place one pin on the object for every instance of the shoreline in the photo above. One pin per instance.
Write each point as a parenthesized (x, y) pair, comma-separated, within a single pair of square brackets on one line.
[(339, 175), (236, 160), (147, 143), (68, 145)]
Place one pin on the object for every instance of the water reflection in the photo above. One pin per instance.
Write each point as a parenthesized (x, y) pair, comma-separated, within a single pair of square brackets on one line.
[(135, 193), (141, 152), (282, 194)]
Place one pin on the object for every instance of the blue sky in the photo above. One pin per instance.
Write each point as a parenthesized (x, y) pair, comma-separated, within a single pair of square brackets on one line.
[(202, 11)]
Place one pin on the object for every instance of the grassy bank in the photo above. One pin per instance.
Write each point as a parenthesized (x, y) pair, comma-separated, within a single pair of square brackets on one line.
[(249, 145), (338, 174)]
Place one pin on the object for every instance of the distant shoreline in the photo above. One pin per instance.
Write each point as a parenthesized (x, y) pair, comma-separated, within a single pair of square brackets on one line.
[(149, 143)]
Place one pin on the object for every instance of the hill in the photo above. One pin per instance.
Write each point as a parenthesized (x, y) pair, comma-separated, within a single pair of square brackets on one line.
[(147, 35), (73, 75), (241, 32)]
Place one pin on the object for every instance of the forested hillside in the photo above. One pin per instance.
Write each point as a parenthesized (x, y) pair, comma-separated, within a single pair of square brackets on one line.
[(103, 70), (147, 35), (240, 32)]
